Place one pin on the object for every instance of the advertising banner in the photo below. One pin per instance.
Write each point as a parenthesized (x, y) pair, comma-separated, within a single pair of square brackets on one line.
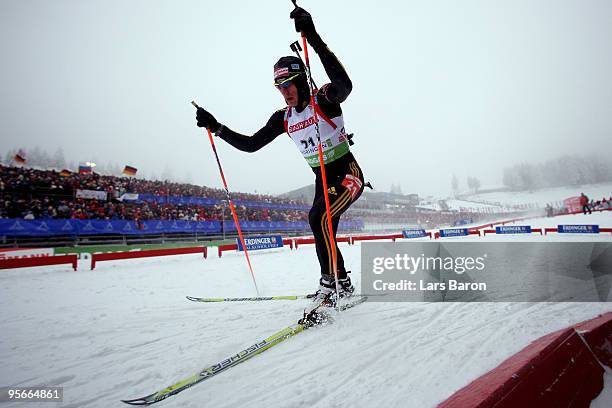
[(578, 229), (91, 194), (454, 232), (414, 233), (261, 242), (513, 229), (17, 227)]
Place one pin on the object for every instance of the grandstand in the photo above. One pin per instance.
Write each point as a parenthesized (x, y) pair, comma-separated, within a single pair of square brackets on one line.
[(41, 207)]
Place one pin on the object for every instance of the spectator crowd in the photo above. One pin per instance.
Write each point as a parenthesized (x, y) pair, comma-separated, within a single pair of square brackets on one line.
[(38, 194), (34, 194)]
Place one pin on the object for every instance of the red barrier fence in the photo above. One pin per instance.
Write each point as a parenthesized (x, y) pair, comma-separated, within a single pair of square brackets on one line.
[(392, 237), (306, 241), (561, 369), (39, 261), (228, 247), (111, 256), (288, 242), (597, 333), (303, 241)]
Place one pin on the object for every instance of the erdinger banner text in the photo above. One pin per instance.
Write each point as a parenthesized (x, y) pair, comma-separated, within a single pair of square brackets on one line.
[(261, 242)]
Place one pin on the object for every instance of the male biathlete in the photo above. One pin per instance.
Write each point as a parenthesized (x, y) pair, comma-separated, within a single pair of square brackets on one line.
[(344, 178)]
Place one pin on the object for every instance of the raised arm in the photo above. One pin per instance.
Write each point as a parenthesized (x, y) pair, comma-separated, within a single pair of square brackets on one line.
[(340, 87)]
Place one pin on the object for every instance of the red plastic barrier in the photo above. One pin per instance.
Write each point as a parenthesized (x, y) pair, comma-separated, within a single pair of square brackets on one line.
[(483, 226), (111, 256), (560, 369), (305, 241), (39, 261), (392, 237), (598, 334), (557, 370), (228, 247)]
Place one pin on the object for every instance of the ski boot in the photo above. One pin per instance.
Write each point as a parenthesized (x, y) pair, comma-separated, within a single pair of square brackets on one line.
[(346, 288), (326, 298)]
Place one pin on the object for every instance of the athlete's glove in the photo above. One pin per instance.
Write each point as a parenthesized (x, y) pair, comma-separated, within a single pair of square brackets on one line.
[(205, 119), (303, 21)]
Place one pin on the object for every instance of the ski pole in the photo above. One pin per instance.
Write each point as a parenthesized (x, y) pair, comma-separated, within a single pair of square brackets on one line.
[(295, 47), (231, 204), (332, 240)]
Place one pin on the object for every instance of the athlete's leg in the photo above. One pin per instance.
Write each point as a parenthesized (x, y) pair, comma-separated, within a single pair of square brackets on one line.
[(344, 190)]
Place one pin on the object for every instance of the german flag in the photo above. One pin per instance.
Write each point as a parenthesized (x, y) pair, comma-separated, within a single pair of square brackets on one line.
[(130, 171), (65, 173)]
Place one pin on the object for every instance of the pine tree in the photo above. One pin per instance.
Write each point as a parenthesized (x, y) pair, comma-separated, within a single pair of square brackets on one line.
[(455, 185)]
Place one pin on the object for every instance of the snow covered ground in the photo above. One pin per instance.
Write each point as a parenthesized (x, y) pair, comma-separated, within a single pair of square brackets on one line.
[(126, 330), (464, 205), (544, 196)]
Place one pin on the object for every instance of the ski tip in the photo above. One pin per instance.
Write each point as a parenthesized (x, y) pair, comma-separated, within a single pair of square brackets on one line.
[(138, 401), (148, 400)]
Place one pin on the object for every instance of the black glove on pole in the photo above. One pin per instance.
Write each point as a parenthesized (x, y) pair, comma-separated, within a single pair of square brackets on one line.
[(207, 120), (303, 22)]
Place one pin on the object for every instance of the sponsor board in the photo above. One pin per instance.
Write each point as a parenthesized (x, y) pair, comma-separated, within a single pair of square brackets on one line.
[(513, 229), (261, 242), (414, 233), (454, 232), (578, 229)]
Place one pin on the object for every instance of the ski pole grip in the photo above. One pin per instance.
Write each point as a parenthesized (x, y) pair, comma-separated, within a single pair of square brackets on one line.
[(195, 104)]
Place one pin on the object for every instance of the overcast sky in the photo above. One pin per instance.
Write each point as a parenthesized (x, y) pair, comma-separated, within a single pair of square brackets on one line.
[(439, 87)]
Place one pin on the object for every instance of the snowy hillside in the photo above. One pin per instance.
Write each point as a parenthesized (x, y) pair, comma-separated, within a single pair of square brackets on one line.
[(543, 197), (465, 205)]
